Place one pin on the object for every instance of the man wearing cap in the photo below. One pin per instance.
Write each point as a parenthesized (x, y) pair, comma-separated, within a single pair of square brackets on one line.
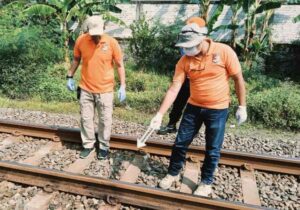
[(98, 52), (209, 65), (183, 95)]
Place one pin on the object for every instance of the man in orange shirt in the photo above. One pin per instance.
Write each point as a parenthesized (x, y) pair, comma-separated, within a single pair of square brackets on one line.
[(99, 53), (184, 93), (209, 65)]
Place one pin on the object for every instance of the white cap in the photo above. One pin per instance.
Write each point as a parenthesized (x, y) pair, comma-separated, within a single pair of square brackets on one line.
[(94, 25)]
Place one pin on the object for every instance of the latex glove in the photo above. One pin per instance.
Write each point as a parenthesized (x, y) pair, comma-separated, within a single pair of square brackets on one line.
[(241, 114), (71, 84), (156, 121), (122, 93)]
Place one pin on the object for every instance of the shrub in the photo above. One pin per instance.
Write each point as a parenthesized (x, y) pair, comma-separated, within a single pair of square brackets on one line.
[(53, 86), (277, 107), (145, 90), (24, 57), (270, 101), (256, 78), (153, 47)]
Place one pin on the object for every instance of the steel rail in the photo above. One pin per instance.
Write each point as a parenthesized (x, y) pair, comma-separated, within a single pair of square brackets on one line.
[(132, 194), (228, 157)]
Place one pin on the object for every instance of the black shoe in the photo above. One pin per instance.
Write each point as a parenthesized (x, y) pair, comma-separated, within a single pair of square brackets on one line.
[(167, 129), (85, 153), (102, 154)]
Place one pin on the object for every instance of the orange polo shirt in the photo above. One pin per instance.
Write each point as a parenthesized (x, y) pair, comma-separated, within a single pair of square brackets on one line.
[(209, 75), (97, 72)]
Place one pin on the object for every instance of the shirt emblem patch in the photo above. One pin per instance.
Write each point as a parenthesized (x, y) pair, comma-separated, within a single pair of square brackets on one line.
[(216, 58), (104, 47)]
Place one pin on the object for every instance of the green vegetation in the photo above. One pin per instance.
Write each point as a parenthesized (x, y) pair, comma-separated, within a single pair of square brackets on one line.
[(26, 50), (65, 11), (152, 44), (271, 101)]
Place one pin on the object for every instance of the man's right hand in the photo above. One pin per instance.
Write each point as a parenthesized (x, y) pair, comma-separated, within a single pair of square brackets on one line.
[(156, 121), (71, 84)]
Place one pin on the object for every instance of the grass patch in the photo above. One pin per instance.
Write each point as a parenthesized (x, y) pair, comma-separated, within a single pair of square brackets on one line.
[(36, 104)]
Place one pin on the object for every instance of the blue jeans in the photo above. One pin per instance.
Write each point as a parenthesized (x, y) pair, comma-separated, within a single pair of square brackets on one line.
[(193, 117)]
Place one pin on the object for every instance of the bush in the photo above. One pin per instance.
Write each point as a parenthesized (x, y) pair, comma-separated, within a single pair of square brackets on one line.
[(277, 107), (256, 78), (153, 47), (270, 101), (145, 91), (24, 57), (53, 86)]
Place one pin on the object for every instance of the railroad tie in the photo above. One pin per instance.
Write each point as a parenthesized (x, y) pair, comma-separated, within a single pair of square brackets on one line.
[(40, 201), (8, 141), (249, 186), (80, 164), (38, 155), (190, 177), (134, 169)]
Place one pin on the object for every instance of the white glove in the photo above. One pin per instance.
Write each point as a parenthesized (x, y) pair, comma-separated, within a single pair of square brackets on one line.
[(156, 121), (122, 93), (241, 114)]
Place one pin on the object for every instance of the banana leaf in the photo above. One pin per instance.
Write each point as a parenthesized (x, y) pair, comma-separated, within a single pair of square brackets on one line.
[(267, 6), (224, 27), (40, 9)]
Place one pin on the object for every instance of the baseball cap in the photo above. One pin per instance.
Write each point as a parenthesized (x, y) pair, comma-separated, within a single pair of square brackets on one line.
[(94, 25), (191, 35)]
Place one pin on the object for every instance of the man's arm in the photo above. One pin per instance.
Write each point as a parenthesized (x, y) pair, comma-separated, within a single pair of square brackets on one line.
[(74, 66), (240, 88), (167, 102), (170, 97), (121, 71)]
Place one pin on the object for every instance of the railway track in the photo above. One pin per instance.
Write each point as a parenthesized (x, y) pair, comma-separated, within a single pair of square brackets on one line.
[(125, 191)]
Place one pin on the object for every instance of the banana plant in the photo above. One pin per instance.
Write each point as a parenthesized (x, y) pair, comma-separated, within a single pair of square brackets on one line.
[(252, 9), (204, 13), (235, 6), (203, 9), (213, 19), (67, 10)]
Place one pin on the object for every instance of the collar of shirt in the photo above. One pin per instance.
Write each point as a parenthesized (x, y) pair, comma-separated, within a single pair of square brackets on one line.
[(103, 39)]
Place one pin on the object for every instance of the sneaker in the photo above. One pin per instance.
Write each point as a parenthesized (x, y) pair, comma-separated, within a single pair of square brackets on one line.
[(203, 190), (168, 180), (102, 154), (167, 129), (86, 152)]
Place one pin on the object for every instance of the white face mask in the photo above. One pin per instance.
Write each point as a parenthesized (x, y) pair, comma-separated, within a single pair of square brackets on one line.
[(192, 51)]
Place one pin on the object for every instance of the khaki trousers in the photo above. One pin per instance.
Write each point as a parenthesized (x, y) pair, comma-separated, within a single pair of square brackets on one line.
[(89, 103)]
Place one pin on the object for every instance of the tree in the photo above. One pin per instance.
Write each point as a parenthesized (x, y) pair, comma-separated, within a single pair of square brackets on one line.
[(67, 10)]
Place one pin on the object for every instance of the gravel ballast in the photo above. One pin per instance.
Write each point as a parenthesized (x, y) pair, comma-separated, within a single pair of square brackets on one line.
[(14, 197), (279, 191), (25, 147), (248, 143), (60, 159)]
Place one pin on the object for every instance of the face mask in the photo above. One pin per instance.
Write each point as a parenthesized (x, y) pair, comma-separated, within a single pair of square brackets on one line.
[(192, 51)]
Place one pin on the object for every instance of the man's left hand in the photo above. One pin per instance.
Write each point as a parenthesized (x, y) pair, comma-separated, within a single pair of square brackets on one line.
[(121, 93), (241, 114)]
